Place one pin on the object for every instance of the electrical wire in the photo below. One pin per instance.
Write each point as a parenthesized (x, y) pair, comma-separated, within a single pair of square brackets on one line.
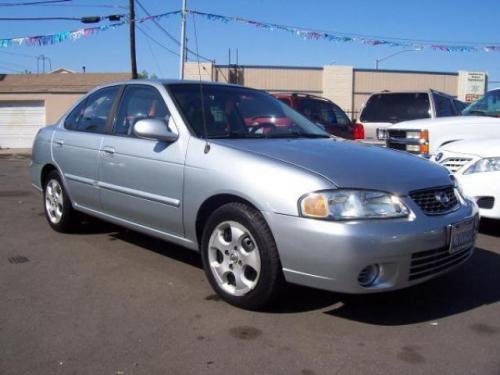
[(170, 36), (93, 19), (9, 69), (86, 6), (6, 63), (160, 71), (203, 115), (32, 3), (19, 54), (155, 41)]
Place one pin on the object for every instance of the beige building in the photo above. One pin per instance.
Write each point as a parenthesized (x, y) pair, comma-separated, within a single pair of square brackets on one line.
[(30, 101), (347, 86)]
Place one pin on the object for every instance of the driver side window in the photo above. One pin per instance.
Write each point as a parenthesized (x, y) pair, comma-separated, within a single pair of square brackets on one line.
[(139, 102)]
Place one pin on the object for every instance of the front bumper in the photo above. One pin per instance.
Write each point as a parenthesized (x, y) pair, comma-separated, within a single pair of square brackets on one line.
[(483, 186), (330, 255)]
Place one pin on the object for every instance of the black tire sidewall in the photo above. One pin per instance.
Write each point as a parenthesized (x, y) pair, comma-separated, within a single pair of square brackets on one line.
[(270, 272)]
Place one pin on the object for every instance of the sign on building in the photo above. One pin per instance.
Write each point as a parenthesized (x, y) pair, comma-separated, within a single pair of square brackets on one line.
[(471, 85)]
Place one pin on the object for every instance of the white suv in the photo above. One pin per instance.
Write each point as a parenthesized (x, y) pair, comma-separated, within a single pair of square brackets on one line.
[(481, 119), (385, 108)]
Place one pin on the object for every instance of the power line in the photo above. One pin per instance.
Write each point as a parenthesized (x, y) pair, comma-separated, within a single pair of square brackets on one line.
[(5, 63), (86, 6), (160, 71), (88, 19), (32, 3), (155, 41), (19, 54), (176, 41), (9, 69)]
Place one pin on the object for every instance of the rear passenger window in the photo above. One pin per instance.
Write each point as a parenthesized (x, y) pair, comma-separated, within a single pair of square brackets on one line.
[(444, 106), (91, 115), (139, 102)]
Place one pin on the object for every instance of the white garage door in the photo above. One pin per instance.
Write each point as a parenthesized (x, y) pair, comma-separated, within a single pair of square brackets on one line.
[(19, 122)]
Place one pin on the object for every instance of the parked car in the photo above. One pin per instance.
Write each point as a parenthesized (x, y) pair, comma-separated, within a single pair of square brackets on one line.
[(385, 108), (262, 203), (324, 112), (476, 165), (424, 137)]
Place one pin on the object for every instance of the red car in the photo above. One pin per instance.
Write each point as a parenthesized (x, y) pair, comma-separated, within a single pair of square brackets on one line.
[(324, 112)]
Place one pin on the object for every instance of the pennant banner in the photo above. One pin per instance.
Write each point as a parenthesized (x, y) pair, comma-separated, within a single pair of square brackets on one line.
[(44, 40), (346, 38)]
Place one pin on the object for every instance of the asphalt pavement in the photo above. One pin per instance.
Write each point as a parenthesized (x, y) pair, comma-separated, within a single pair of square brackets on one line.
[(107, 300)]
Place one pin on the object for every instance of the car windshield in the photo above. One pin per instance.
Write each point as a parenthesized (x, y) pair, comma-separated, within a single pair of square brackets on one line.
[(488, 105), (237, 112), (395, 108)]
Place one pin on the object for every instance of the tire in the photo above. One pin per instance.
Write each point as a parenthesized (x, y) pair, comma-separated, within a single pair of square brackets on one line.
[(57, 207), (240, 257)]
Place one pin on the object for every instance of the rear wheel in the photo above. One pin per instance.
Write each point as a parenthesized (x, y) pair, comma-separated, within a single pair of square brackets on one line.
[(240, 256), (57, 206)]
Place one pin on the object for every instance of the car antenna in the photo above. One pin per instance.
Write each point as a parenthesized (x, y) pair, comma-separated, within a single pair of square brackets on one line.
[(203, 114)]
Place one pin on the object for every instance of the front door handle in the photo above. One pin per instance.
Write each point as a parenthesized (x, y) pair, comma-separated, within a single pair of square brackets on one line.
[(59, 142), (108, 150)]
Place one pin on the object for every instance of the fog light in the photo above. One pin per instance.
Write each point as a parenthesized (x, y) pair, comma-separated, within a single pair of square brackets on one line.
[(369, 275)]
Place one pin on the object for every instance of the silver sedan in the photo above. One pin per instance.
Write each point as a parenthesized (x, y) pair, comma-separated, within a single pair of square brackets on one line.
[(265, 195)]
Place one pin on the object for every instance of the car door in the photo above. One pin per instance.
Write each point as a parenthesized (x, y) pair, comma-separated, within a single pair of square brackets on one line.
[(76, 146), (141, 179)]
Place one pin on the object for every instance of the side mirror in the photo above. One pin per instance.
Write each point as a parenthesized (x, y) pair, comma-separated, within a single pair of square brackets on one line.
[(154, 129)]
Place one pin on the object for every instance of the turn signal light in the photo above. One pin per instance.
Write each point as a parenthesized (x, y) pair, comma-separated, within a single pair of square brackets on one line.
[(424, 142), (315, 205)]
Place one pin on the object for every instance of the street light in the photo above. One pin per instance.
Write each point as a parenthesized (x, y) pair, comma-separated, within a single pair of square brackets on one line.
[(377, 61)]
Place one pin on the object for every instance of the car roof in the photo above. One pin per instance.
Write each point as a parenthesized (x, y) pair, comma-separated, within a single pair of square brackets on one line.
[(430, 91)]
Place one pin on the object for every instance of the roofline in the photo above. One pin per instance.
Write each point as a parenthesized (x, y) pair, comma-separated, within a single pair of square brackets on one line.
[(405, 71), (270, 67)]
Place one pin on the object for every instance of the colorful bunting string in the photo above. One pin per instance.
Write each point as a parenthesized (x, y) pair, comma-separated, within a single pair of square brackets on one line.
[(346, 38), (44, 40)]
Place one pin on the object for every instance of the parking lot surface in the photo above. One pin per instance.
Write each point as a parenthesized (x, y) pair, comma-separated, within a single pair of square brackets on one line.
[(107, 300)]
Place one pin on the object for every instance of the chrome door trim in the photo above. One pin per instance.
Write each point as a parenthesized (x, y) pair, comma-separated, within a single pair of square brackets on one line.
[(83, 180), (141, 194)]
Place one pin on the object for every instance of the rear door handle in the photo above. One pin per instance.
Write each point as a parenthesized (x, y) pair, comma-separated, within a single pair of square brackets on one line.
[(108, 150), (58, 142)]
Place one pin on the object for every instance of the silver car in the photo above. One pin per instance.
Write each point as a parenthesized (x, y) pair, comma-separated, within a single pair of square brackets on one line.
[(264, 195)]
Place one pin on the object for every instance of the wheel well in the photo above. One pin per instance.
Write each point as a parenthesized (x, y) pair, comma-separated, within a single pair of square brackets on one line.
[(210, 205), (45, 172)]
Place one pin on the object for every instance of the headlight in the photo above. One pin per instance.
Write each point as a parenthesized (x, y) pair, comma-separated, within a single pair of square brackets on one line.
[(484, 165), (352, 204), (382, 134)]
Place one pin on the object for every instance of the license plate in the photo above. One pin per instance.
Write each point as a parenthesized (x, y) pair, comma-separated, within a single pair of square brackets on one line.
[(462, 235)]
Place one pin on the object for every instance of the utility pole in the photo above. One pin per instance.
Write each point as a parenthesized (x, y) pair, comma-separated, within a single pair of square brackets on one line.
[(133, 61), (183, 41)]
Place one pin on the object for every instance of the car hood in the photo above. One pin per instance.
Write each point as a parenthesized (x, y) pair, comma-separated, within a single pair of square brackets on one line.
[(349, 164), (455, 120), (481, 147)]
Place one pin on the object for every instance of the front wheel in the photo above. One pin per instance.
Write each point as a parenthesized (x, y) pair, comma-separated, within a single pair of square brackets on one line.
[(240, 256), (57, 206)]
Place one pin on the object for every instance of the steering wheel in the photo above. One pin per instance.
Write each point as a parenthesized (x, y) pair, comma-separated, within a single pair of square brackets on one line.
[(264, 125)]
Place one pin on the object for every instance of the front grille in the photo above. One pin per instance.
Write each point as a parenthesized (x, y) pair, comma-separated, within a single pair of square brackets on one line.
[(454, 164), (431, 262), (397, 133), (396, 146), (435, 201)]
